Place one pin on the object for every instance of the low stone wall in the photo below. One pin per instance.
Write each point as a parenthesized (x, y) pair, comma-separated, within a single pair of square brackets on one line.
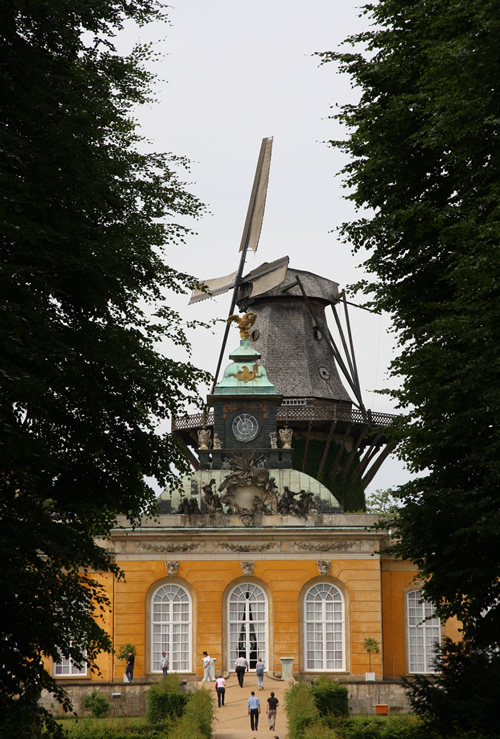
[(363, 697), (127, 699), (130, 699)]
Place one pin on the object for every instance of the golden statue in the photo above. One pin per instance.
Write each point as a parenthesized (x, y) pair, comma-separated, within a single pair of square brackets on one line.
[(245, 322)]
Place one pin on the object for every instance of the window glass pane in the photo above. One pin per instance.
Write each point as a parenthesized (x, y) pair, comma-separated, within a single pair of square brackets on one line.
[(171, 628), (424, 633), (324, 628)]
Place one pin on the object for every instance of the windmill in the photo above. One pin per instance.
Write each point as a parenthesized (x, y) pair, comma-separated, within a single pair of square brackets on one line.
[(302, 358), (261, 279)]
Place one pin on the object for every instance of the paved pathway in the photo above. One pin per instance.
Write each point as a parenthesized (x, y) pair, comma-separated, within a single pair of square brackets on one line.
[(233, 721)]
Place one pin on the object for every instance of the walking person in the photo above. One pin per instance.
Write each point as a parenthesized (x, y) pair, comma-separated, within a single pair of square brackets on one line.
[(259, 669), (253, 711), (129, 668), (164, 664), (207, 668), (241, 666), (220, 687), (271, 708)]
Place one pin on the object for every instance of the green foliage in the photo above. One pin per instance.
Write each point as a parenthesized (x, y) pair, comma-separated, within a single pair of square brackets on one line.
[(87, 214), (390, 727), (462, 700), (424, 163), (124, 651), (349, 493), (330, 697), (383, 502), (319, 731), (165, 699), (198, 718), (371, 646), (301, 710), (97, 703), (116, 729), (201, 709), (322, 712), (187, 726)]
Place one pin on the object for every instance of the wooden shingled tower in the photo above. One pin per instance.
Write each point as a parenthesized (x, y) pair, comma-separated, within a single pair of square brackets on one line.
[(335, 438)]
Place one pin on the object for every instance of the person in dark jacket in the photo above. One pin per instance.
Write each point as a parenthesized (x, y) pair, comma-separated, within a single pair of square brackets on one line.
[(129, 669)]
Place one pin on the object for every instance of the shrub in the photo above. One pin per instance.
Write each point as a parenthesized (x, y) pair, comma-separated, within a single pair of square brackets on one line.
[(201, 707), (97, 703), (124, 650), (187, 727), (331, 698), (165, 699), (301, 710), (391, 727), (319, 731), (122, 730)]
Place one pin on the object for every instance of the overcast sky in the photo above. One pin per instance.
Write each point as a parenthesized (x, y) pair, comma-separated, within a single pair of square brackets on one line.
[(234, 72)]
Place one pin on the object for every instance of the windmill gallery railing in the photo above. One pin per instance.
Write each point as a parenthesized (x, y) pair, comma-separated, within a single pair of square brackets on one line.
[(293, 413)]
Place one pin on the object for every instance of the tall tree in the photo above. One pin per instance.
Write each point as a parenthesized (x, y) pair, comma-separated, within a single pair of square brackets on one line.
[(424, 161), (86, 216)]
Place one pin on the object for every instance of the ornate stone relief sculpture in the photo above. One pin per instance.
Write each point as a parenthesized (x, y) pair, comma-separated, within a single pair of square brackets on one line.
[(172, 568), (247, 568), (286, 438), (249, 489), (289, 505), (188, 505), (204, 438), (211, 499), (323, 566)]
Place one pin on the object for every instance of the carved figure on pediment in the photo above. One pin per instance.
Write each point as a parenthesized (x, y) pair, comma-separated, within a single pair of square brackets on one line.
[(189, 506), (259, 506), (172, 568), (270, 495), (204, 438), (273, 438), (211, 500), (288, 504), (307, 504), (217, 442), (286, 438)]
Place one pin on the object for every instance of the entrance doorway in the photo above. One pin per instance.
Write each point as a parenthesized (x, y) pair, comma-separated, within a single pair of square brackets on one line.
[(247, 621)]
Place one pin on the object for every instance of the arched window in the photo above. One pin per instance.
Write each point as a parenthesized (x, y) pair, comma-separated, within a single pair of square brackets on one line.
[(171, 628), (247, 623), (424, 633), (324, 626)]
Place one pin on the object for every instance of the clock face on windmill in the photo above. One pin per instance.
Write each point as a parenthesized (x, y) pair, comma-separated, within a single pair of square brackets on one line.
[(245, 427)]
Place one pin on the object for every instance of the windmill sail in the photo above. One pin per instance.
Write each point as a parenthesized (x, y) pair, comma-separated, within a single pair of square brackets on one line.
[(216, 286), (251, 230), (258, 281), (257, 204)]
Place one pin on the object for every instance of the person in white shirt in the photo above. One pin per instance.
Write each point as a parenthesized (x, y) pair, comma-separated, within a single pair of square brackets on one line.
[(241, 666), (220, 687), (207, 664), (164, 664)]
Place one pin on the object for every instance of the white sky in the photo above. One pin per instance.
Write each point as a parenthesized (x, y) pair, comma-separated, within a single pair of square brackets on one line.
[(236, 71)]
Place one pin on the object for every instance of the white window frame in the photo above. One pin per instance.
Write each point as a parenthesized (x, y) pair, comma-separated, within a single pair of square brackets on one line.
[(171, 600), (318, 625), (261, 651), (67, 668), (423, 633)]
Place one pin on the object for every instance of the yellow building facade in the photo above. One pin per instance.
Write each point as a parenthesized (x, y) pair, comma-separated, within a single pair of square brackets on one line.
[(284, 589)]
